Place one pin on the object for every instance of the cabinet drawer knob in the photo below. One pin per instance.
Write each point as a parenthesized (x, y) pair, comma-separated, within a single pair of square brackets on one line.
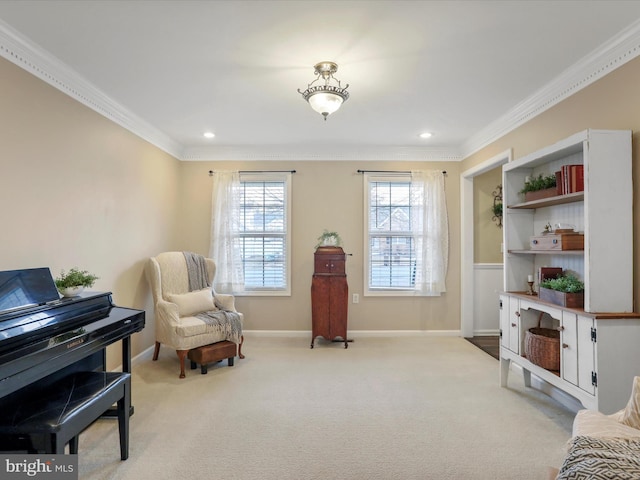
[(513, 325), (517, 314), (560, 328), (564, 345), (535, 242)]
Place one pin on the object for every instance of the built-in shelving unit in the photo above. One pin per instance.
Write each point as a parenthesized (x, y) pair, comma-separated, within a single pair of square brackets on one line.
[(599, 354)]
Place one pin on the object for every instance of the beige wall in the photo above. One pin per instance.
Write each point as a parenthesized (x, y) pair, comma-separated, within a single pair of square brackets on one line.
[(328, 195), (78, 190), (611, 103), (487, 236)]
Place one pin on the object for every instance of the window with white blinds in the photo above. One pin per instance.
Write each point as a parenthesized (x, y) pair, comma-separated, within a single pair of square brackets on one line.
[(392, 255), (406, 232), (263, 233)]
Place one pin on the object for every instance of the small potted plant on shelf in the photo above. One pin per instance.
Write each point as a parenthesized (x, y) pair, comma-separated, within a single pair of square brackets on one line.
[(565, 290), (72, 283), (542, 186), (329, 239)]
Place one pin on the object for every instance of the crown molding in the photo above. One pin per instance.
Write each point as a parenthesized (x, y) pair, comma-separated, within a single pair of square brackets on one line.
[(614, 53), (21, 51), (611, 55), (307, 153)]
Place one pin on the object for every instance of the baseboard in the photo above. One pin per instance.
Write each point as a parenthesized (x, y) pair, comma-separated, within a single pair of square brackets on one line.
[(486, 333)]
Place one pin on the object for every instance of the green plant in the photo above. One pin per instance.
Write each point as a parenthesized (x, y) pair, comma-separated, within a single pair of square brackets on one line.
[(540, 182), (497, 209), (75, 278), (566, 283), (329, 238)]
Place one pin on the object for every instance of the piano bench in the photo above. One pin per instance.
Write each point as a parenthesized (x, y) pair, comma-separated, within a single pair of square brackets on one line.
[(214, 352), (61, 411)]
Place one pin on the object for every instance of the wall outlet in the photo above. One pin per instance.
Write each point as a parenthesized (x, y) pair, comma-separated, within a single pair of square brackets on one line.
[(356, 298)]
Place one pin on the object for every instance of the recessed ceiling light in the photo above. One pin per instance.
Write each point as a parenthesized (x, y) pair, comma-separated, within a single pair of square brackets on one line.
[(209, 134), (425, 135)]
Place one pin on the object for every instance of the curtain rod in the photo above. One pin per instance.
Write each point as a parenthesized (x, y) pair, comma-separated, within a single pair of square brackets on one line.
[(211, 172), (444, 172)]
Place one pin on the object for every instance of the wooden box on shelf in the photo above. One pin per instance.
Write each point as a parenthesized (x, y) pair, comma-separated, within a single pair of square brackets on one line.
[(570, 300), (558, 241), (540, 194)]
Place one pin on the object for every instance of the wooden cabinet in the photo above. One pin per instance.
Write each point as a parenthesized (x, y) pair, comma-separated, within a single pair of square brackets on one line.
[(598, 343), (329, 295)]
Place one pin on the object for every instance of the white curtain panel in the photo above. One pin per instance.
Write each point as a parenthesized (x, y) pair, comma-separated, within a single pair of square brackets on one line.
[(431, 227), (225, 228)]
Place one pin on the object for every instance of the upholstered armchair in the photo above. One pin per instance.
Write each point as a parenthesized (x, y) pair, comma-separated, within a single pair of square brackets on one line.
[(180, 322)]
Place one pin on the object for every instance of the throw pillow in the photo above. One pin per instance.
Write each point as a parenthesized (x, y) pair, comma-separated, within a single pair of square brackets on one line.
[(193, 302), (631, 415)]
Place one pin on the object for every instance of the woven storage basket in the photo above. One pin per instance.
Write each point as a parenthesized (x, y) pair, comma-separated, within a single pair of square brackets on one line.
[(542, 347)]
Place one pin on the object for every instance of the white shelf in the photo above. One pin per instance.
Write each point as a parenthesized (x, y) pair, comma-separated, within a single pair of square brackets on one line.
[(550, 201), (599, 354)]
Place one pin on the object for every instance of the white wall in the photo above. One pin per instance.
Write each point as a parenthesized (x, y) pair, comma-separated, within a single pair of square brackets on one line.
[(488, 282)]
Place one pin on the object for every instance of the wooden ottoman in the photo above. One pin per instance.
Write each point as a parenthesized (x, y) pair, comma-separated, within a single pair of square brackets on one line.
[(212, 353)]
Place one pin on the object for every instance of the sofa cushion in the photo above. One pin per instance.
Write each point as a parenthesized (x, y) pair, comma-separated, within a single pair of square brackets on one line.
[(193, 302), (631, 415), (595, 424)]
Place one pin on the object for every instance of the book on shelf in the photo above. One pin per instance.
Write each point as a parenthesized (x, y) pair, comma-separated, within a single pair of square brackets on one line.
[(570, 179)]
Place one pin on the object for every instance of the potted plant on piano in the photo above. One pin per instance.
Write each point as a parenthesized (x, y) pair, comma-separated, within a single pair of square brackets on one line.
[(73, 282)]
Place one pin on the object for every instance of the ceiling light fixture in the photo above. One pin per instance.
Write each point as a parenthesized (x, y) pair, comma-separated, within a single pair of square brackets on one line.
[(325, 99), (425, 135), (209, 134)]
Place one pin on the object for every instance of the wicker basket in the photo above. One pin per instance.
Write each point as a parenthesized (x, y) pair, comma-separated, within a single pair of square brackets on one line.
[(542, 347)]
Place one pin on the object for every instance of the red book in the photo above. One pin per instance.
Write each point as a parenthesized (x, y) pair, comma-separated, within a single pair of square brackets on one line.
[(580, 178), (558, 182)]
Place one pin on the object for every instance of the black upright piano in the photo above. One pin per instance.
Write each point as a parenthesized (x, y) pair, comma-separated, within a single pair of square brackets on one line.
[(44, 337)]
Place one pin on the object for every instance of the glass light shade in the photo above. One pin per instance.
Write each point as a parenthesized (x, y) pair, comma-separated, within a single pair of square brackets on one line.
[(325, 103)]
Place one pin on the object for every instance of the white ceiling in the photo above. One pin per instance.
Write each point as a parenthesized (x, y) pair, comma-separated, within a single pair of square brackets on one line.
[(467, 71)]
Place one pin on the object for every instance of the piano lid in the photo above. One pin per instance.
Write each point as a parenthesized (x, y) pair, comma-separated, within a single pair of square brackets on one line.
[(26, 288)]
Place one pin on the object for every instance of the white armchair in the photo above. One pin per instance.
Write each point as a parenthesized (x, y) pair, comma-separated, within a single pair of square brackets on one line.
[(176, 308)]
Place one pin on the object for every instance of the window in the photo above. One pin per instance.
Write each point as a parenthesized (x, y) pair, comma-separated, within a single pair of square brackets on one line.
[(262, 237), (406, 234), (250, 226)]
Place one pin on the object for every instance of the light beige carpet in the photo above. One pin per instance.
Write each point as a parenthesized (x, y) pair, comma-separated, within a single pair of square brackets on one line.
[(398, 408)]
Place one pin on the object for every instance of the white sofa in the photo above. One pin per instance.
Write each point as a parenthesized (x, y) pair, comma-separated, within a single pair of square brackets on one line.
[(176, 323), (604, 446)]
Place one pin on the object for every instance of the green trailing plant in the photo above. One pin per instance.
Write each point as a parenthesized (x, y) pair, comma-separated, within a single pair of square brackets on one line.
[(497, 209), (75, 278), (329, 238), (541, 182), (566, 284)]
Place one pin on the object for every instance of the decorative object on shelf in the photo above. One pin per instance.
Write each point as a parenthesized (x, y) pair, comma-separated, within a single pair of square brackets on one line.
[(74, 282), (329, 239), (542, 346), (497, 206), (565, 290), (539, 187), (558, 240), (545, 273), (325, 99), (531, 291)]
